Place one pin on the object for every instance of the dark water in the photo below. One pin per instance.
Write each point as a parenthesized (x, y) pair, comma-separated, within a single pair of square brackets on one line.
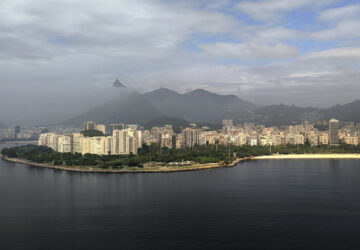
[(284, 204)]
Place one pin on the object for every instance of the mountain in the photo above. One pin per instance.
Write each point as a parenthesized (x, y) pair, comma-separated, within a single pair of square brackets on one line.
[(347, 113), (118, 84), (165, 106), (277, 115), (129, 108), (196, 106)]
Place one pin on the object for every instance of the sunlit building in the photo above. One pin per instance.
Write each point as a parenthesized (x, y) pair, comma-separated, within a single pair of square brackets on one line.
[(89, 126), (333, 132), (190, 137)]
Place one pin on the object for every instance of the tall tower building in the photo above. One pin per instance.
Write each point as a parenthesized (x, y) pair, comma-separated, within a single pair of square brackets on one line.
[(101, 127), (16, 131), (118, 142), (77, 139), (228, 123), (89, 126), (333, 132), (227, 126), (126, 141), (132, 126), (190, 137), (113, 127)]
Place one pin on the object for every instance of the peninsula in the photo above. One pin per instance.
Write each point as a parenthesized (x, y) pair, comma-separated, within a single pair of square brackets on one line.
[(155, 160)]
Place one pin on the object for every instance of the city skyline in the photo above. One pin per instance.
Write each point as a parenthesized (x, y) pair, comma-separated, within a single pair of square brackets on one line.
[(122, 139)]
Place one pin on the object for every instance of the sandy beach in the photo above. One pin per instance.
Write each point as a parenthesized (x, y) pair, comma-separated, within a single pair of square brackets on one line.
[(308, 156)]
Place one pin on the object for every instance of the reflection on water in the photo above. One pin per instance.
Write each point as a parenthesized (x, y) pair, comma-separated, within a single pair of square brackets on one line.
[(279, 204)]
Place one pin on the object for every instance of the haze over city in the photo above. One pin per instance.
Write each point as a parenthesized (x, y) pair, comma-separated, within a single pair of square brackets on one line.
[(62, 56)]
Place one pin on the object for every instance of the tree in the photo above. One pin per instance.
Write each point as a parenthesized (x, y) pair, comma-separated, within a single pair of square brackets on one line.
[(92, 133)]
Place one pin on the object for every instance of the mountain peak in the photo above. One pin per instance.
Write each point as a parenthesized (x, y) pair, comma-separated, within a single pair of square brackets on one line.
[(204, 92), (118, 84), (162, 92), (199, 92)]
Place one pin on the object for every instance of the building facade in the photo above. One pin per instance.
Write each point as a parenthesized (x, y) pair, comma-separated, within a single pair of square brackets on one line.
[(333, 132)]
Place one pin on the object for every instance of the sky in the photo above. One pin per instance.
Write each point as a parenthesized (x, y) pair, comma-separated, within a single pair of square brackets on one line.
[(63, 55)]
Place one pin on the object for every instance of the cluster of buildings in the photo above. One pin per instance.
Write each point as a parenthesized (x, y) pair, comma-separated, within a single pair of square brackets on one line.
[(127, 139), (123, 140), (32, 133), (20, 133), (252, 135)]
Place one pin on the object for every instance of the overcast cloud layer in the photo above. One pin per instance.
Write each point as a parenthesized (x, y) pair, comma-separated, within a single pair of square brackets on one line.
[(62, 56)]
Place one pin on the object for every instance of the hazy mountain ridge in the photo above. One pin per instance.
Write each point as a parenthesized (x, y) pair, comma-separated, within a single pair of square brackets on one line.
[(129, 108), (348, 112), (277, 115), (196, 106), (161, 106)]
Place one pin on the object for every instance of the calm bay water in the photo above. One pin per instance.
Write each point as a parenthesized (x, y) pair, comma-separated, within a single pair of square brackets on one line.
[(278, 204)]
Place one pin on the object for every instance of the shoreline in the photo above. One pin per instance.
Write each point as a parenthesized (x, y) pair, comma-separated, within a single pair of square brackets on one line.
[(308, 156), (170, 169), (160, 169)]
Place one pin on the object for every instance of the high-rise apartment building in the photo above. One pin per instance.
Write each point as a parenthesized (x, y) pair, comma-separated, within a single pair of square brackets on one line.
[(113, 127), (89, 126), (119, 142), (126, 141), (333, 132), (190, 137), (64, 144), (43, 140), (227, 126), (132, 126), (99, 145), (101, 127), (16, 131), (76, 138), (228, 123)]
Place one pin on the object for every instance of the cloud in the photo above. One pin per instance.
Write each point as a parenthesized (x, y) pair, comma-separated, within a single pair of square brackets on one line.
[(249, 51), (314, 79), (64, 51), (266, 9), (117, 26), (343, 22), (277, 34), (336, 14), (338, 53), (344, 30), (271, 10)]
